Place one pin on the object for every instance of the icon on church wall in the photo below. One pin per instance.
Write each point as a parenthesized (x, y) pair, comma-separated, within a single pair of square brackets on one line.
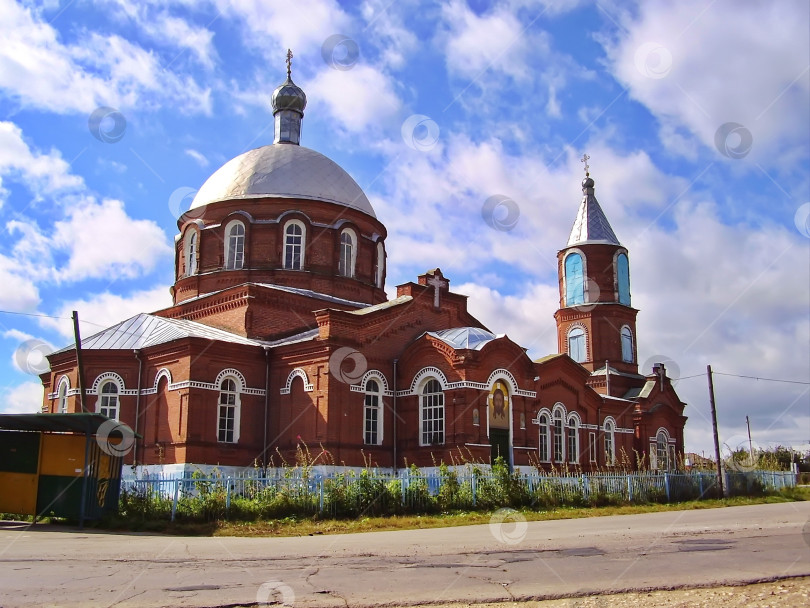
[(340, 52), (499, 406), (523, 420), (500, 212), (107, 125), (476, 417)]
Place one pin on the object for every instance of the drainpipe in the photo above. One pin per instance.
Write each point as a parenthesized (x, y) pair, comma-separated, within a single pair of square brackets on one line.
[(266, 407), (394, 409), (137, 353)]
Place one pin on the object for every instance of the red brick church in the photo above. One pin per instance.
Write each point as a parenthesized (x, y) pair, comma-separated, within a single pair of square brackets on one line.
[(281, 333)]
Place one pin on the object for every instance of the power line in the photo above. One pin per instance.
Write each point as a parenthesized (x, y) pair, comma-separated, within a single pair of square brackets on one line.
[(31, 314), (765, 379)]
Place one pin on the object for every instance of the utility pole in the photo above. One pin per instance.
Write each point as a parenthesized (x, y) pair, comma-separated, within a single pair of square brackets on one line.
[(714, 431), (750, 445), (78, 337)]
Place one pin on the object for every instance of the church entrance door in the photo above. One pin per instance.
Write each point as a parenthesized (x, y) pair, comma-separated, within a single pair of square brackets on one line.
[(499, 438)]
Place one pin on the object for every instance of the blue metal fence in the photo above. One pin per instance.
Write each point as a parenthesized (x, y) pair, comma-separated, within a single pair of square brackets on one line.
[(376, 493)]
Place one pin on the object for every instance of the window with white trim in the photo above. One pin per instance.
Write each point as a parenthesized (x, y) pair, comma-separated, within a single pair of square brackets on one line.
[(348, 252), (545, 438), (235, 245), (379, 271), (574, 279), (623, 278), (662, 451), (610, 443), (576, 344), (61, 398), (372, 418), (559, 437), (627, 344), (592, 446), (191, 253), (295, 236), (108, 404), (228, 412), (431, 413), (573, 439)]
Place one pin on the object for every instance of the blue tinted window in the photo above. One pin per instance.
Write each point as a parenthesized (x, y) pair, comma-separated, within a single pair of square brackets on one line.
[(623, 273), (574, 283)]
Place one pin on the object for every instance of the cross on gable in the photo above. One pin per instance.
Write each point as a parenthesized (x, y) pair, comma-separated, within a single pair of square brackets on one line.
[(438, 283)]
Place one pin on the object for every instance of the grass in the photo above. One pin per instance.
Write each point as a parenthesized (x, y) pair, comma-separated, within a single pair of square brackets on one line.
[(310, 526)]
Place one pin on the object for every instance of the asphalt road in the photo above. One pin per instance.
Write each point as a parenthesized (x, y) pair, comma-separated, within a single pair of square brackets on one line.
[(41, 566)]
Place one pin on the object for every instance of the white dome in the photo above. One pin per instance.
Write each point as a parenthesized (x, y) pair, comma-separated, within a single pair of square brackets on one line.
[(283, 171)]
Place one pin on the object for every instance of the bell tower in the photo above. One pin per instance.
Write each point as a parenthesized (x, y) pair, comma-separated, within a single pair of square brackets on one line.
[(595, 321)]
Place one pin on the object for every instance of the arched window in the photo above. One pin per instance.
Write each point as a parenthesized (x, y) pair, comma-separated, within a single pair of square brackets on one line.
[(627, 344), (228, 414), (235, 245), (431, 413), (623, 278), (108, 400), (559, 437), (574, 280), (576, 344), (191, 253), (662, 451), (610, 442), (379, 272), (295, 234), (573, 439), (372, 420), (545, 438), (61, 398), (348, 253)]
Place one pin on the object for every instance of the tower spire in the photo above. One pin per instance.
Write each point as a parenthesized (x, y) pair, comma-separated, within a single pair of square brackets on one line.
[(288, 103), (591, 224)]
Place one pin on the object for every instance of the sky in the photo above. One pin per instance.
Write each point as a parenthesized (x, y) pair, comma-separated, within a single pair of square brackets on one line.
[(695, 115)]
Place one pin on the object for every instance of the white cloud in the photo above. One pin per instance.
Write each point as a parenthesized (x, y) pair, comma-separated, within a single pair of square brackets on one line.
[(19, 293), (356, 99), (25, 398), (720, 63), (198, 157), (102, 240), (103, 310), (40, 71), (41, 173), (495, 41)]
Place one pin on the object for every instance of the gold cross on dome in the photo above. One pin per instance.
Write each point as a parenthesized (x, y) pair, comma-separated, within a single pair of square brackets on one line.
[(289, 61), (585, 158)]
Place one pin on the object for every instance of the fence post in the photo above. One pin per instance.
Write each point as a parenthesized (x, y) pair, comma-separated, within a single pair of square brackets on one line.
[(227, 494), (666, 485), (320, 490), (700, 485), (176, 496), (402, 485), (629, 488)]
